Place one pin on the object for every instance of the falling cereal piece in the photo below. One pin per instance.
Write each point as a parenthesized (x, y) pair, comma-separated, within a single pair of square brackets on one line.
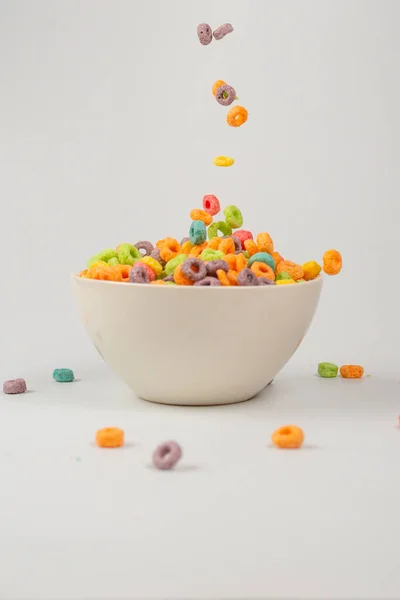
[(223, 161), (222, 31), (204, 34), (166, 455), (14, 386)]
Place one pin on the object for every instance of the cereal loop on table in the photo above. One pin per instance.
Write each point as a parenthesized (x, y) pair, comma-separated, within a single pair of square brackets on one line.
[(196, 214), (166, 455), (295, 271), (352, 371), (288, 436), (332, 262), (265, 243), (204, 34), (237, 116), (223, 161), (110, 437), (211, 204), (260, 269), (219, 226), (197, 232), (63, 375), (14, 386), (328, 370), (311, 270), (169, 248)]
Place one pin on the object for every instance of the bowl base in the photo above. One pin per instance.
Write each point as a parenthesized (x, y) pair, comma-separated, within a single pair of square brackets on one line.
[(192, 401)]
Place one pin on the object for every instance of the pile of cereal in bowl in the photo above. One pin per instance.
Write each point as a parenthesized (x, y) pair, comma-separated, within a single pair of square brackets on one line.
[(216, 253)]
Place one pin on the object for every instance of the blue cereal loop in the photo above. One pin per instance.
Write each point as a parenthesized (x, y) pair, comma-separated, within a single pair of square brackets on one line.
[(197, 232), (63, 375), (262, 257)]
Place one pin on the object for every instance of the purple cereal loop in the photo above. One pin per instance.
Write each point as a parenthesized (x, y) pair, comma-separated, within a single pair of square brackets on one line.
[(238, 245), (208, 281), (184, 240), (146, 246), (139, 274), (247, 277), (156, 255), (222, 31), (189, 269), (204, 34), (14, 386), (265, 281), (221, 97), (166, 455), (212, 267)]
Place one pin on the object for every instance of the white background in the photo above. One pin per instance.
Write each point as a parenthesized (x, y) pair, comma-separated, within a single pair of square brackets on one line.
[(107, 133)]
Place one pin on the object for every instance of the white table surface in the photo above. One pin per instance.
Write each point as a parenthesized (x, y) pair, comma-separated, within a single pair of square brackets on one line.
[(237, 519)]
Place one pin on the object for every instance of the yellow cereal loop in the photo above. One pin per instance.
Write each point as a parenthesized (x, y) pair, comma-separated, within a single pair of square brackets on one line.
[(284, 281), (223, 161), (311, 270), (153, 264), (186, 247)]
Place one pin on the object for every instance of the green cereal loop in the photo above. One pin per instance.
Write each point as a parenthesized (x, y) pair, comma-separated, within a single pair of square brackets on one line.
[(233, 216), (283, 275), (113, 261), (173, 263), (300, 281), (170, 283), (246, 254), (128, 254), (326, 369), (218, 226), (210, 254), (63, 375)]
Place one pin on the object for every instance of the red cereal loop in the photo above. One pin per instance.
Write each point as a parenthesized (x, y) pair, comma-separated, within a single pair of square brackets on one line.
[(211, 204), (243, 235)]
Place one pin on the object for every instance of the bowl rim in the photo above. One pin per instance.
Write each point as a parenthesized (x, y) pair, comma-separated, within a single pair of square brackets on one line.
[(217, 288)]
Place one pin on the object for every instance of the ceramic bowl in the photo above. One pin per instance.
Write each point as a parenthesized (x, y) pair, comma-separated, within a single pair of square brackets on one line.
[(196, 345)]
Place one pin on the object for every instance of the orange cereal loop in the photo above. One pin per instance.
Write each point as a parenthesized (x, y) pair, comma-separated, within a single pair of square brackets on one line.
[(157, 282), (123, 270), (110, 437), (84, 274), (265, 243), (231, 260), (160, 243), (288, 436), (223, 278), (180, 278), (169, 249), (227, 246), (214, 243), (197, 250), (104, 272), (351, 371), (277, 258), (217, 85), (241, 262), (295, 271), (332, 262), (232, 277), (260, 269), (201, 215), (251, 247), (237, 116)]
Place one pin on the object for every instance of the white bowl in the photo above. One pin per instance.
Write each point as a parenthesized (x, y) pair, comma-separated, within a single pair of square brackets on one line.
[(196, 345)]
